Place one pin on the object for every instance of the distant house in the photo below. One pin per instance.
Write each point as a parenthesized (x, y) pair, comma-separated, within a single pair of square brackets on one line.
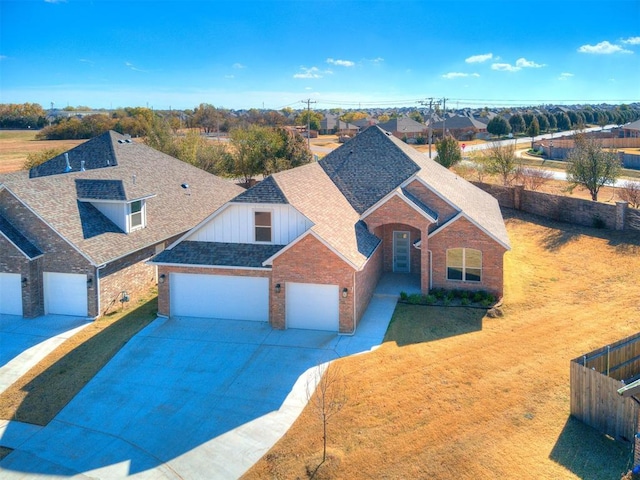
[(331, 124), (631, 130), (404, 127), (76, 231), (306, 247), (461, 127)]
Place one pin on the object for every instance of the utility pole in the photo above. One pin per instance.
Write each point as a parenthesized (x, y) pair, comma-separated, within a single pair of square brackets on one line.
[(444, 110), (308, 101), (428, 122)]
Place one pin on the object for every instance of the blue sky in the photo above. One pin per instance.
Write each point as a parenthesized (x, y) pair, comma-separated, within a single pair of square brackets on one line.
[(348, 53)]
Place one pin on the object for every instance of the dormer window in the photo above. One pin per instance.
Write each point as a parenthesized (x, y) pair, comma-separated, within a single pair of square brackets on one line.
[(263, 226), (136, 216)]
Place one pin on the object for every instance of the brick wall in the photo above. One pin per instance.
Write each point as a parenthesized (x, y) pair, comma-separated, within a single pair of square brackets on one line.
[(310, 261), (366, 281), (164, 286), (463, 234), (13, 260), (565, 209), (385, 233), (444, 210)]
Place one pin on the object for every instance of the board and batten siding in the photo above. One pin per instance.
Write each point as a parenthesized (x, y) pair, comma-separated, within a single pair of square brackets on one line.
[(235, 224)]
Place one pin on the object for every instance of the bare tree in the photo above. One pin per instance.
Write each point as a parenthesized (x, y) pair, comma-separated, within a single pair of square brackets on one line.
[(326, 395), (501, 160), (630, 192), (591, 166), (532, 178)]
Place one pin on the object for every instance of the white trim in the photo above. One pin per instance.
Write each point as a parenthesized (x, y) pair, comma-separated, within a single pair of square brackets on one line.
[(19, 249), (195, 265), (463, 267), (51, 227), (397, 192), (269, 261), (480, 227), (99, 200)]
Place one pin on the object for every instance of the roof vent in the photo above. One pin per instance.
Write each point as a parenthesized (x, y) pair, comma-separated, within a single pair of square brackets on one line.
[(67, 167), (120, 141), (133, 179), (82, 169), (128, 140)]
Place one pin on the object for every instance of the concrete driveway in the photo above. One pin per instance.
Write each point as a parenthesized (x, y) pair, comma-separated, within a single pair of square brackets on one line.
[(186, 398), (24, 342)]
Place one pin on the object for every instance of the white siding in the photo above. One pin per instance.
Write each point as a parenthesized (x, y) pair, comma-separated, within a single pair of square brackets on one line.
[(235, 224), (116, 212)]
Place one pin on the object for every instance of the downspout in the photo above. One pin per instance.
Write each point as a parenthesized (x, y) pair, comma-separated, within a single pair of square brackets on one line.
[(430, 270), (98, 291)]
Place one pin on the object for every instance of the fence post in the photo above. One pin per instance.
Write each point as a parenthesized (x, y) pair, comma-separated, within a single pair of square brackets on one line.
[(621, 215), (517, 196)]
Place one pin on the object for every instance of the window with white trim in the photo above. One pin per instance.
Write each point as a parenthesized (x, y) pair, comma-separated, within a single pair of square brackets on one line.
[(136, 215), (262, 223), (464, 264)]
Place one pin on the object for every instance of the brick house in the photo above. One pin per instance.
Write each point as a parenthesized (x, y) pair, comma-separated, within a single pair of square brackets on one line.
[(76, 231), (306, 247)]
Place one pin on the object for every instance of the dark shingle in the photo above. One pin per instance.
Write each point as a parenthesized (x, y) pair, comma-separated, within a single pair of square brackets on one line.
[(96, 153), (213, 253), (368, 167), (432, 213), (367, 241), (266, 191), (100, 189), (19, 240)]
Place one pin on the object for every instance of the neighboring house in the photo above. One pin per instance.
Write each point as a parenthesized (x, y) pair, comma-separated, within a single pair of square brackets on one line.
[(306, 247), (404, 127), (631, 130), (461, 127), (76, 231), (331, 124)]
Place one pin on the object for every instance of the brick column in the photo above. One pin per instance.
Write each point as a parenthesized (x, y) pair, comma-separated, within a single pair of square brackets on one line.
[(518, 190), (621, 214)]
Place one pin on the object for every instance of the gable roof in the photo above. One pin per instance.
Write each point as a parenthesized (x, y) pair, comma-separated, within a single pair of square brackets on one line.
[(218, 254), (137, 170), (18, 240), (369, 166), (266, 191), (477, 205), (402, 125)]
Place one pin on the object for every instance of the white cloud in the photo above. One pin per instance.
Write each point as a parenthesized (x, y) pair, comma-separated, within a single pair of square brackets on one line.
[(524, 63), (603, 48), (55, 1), (341, 63), (134, 68), (451, 75), (313, 72), (504, 67), (565, 76), (238, 66), (375, 61), (3, 57), (479, 58), (631, 41)]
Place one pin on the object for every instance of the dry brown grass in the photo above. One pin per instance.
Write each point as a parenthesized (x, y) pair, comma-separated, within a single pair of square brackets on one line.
[(451, 394), (44, 390), (15, 145)]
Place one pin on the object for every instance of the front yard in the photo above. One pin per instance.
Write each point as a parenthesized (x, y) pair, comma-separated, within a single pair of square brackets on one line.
[(455, 394)]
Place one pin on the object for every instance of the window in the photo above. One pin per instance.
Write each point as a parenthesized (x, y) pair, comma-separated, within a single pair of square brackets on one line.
[(262, 226), (136, 215), (464, 264)]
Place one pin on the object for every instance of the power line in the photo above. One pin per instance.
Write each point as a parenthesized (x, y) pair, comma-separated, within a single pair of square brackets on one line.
[(308, 101)]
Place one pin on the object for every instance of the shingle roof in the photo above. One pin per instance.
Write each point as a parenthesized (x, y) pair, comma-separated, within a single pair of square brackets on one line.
[(218, 254), (266, 191), (19, 240), (100, 189), (142, 171), (425, 208), (479, 206), (403, 125), (369, 166)]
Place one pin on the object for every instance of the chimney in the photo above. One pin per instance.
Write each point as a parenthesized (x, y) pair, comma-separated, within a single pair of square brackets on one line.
[(67, 167)]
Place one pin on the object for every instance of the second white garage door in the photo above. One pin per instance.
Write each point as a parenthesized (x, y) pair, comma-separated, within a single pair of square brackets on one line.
[(11, 293), (219, 296), (313, 306), (65, 294)]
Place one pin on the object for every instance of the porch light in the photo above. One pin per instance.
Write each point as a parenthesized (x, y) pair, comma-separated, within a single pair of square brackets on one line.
[(345, 292), (277, 288), (89, 282), (24, 282), (162, 278)]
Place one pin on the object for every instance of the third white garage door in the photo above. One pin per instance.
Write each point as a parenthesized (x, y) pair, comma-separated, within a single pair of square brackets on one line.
[(219, 296), (313, 306), (65, 294), (11, 293)]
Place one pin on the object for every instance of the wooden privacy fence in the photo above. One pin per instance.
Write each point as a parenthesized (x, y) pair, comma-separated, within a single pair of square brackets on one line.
[(595, 379)]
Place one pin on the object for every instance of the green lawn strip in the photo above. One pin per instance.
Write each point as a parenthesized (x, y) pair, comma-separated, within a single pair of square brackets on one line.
[(48, 387)]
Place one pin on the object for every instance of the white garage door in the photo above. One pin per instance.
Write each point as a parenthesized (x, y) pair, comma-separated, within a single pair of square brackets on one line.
[(65, 294), (312, 306), (10, 294), (219, 296)]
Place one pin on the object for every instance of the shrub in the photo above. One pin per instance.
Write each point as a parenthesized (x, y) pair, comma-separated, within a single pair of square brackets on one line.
[(465, 301), (478, 297), (415, 299), (430, 299), (404, 296), (439, 293), (446, 302)]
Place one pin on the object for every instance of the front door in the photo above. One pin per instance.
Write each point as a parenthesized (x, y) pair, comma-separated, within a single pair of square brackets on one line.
[(401, 252)]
